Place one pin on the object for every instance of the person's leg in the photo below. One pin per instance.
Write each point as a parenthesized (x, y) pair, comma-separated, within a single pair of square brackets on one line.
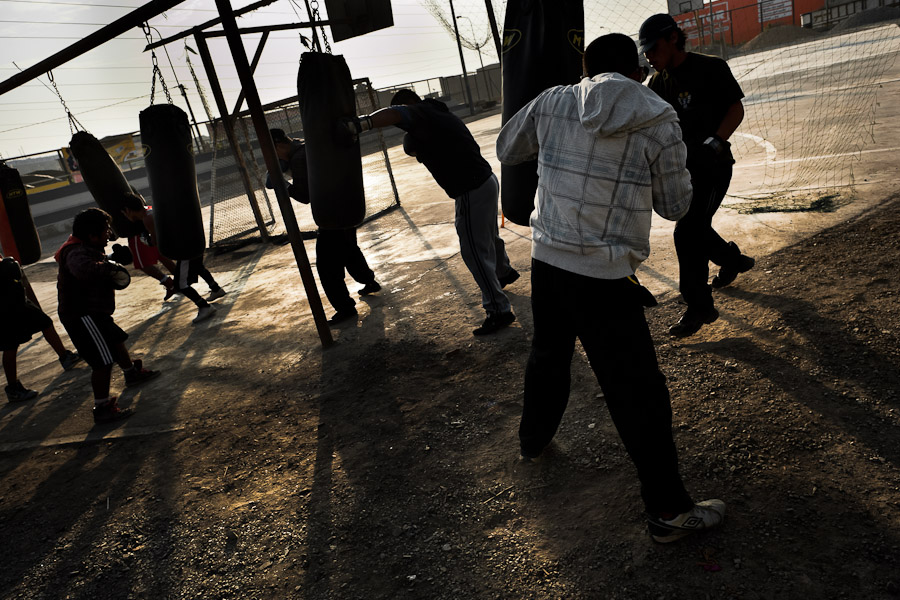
[(330, 266), (476, 223), (547, 373), (354, 260), (621, 353), (207, 276), (9, 366), (54, 340), (100, 377)]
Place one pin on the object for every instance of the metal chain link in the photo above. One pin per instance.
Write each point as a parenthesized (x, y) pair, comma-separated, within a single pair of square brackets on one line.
[(74, 125), (315, 14), (156, 70)]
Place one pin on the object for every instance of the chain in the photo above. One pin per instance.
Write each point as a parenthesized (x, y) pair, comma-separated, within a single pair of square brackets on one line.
[(74, 125), (200, 92), (315, 15), (157, 72)]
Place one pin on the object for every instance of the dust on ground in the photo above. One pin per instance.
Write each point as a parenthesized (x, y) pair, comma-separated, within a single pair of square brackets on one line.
[(261, 466)]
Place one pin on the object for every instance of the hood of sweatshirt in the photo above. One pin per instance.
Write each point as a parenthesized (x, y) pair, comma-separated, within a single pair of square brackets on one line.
[(610, 104), (71, 241)]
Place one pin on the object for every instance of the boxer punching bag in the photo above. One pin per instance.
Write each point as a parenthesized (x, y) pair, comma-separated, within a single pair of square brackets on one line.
[(169, 157), (104, 179), (18, 237), (326, 95), (543, 45)]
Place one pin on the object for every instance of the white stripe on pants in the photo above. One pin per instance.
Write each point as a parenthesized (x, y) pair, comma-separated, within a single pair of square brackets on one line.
[(480, 244)]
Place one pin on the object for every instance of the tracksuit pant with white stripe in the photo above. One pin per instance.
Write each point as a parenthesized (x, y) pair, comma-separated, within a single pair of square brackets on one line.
[(480, 244)]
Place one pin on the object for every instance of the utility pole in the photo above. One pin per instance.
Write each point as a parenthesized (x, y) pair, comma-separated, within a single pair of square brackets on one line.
[(462, 60), (474, 40)]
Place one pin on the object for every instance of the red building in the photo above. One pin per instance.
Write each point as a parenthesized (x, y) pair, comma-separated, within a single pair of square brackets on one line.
[(737, 21)]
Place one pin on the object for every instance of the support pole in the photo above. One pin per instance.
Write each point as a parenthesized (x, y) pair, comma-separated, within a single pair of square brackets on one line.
[(268, 150), (461, 59), (493, 21), (201, 146), (133, 19), (256, 56), (228, 125)]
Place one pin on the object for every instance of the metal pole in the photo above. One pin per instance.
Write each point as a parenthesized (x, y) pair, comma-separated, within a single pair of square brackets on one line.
[(462, 60), (101, 36), (228, 125), (493, 21), (201, 145), (268, 150), (256, 56)]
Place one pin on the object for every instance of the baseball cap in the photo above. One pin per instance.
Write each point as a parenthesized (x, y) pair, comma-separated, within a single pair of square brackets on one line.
[(279, 136), (654, 28)]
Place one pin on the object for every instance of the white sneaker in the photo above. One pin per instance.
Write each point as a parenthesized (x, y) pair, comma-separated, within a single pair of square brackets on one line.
[(704, 515), (204, 313), (215, 295)]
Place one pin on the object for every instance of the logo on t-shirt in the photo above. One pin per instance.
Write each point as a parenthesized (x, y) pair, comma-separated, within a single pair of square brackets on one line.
[(684, 99)]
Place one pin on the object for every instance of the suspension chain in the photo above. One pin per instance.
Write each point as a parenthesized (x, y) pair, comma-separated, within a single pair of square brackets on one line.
[(74, 124), (157, 72), (315, 15)]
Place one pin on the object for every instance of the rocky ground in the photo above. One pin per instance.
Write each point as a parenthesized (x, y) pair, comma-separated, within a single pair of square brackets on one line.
[(386, 466)]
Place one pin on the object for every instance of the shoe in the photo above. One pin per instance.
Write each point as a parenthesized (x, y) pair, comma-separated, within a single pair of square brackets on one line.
[(728, 274), (109, 411), (495, 322), (343, 315), (204, 313), (370, 288), (529, 460), (704, 515), (691, 322), (138, 374), (68, 360), (215, 294), (170, 288), (19, 393), (509, 278)]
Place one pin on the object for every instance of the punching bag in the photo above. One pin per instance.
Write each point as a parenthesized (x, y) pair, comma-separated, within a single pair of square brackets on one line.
[(104, 179), (18, 237), (543, 45), (326, 95), (169, 157)]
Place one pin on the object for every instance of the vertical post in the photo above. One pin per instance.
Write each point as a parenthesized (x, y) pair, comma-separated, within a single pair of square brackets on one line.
[(461, 59), (228, 125), (201, 146), (493, 21), (268, 149)]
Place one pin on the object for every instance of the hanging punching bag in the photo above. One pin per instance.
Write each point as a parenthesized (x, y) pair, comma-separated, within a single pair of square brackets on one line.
[(326, 95), (543, 45), (104, 179), (18, 237), (168, 154)]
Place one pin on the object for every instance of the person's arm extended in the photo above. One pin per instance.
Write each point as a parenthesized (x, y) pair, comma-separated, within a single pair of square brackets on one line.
[(517, 141), (670, 181), (151, 227), (731, 121)]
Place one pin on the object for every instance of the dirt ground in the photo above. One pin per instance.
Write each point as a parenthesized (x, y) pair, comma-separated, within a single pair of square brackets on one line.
[(261, 466)]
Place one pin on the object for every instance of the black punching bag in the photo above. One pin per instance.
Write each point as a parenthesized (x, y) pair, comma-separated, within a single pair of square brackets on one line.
[(18, 237), (326, 95), (104, 179), (543, 45), (169, 157)]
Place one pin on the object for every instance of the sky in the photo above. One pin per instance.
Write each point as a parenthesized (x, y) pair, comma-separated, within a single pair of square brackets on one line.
[(106, 88)]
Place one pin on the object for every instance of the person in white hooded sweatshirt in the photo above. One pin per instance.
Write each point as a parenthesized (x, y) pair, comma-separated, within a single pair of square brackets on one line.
[(609, 153)]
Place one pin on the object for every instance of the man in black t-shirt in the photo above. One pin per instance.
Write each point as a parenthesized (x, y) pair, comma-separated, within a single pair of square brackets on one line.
[(442, 142), (707, 99)]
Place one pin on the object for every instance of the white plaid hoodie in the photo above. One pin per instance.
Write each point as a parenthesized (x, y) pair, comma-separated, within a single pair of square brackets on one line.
[(609, 151)]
